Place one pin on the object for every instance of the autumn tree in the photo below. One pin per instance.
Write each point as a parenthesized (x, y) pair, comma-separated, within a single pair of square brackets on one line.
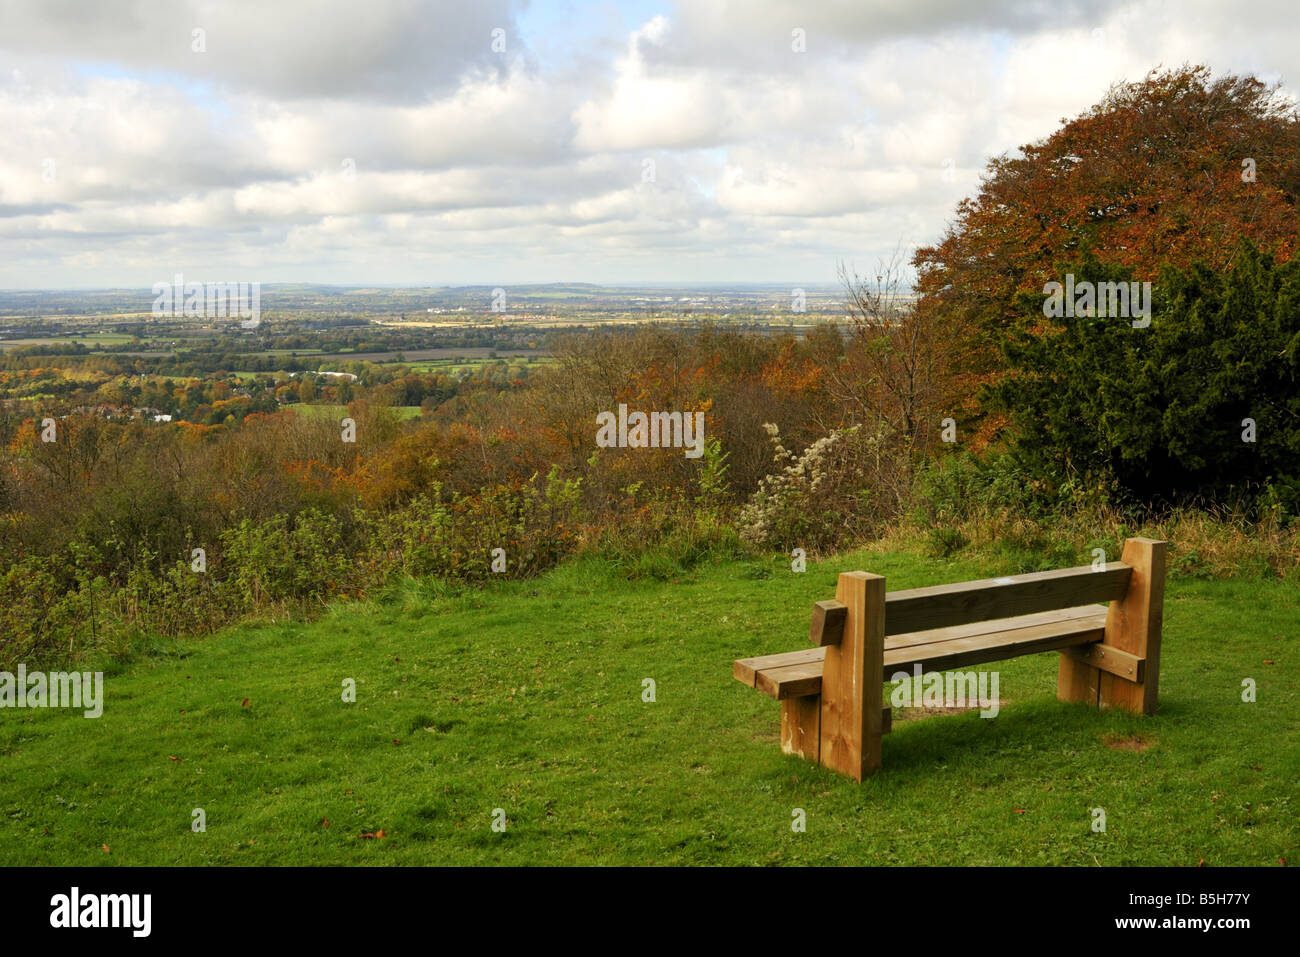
[(1175, 168)]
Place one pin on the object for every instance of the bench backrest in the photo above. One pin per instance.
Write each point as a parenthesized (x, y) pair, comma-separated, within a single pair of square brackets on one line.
[(963, 603)]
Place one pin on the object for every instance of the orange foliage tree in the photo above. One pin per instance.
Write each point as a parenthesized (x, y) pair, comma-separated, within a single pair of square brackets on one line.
[(1176, 168)]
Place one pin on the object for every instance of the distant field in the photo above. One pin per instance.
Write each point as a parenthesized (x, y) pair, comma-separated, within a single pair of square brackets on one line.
[(338, 411), (449, 366), (411, 356), (460, 365), (94, 338), (296, 353)]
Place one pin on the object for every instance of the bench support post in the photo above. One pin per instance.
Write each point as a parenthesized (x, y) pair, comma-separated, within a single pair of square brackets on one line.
[(801, 725), (1134, 624), (1077, 681), (853, 680)]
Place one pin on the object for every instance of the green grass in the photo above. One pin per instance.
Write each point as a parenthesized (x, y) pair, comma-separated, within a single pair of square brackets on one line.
[(527, 696)]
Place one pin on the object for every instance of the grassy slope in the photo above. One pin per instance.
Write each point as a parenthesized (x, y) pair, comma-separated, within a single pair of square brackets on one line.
[(527, 697)]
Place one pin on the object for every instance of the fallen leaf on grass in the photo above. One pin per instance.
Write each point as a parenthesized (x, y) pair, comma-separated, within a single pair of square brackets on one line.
[(172, 757), (325, 822), (376, 834), (245, 704), (104, 848)]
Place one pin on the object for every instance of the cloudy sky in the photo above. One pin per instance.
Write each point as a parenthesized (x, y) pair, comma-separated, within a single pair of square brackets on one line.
[(503, 141)]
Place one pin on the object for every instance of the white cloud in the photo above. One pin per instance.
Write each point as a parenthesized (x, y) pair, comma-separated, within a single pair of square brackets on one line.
[(126, 156)]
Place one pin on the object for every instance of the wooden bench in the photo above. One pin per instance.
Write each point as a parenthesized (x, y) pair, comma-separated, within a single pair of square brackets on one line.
[(832, 695)]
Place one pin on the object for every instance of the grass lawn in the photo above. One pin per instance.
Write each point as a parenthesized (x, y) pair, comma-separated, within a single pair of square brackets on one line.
[(528, 697)]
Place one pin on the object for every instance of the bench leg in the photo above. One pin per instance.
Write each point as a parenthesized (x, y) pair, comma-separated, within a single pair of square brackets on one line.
[(1134, 624), (801, 723), (1077, 681), (853, 677)]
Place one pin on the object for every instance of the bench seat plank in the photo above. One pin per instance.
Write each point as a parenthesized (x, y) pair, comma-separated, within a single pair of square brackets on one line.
[(790, 681), (981, 649), (992, 627), (746, 669), (798, 673)]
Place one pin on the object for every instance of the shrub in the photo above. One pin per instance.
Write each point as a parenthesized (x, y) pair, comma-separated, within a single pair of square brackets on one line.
[(282, 560), (822, 499), (1164, 409)]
